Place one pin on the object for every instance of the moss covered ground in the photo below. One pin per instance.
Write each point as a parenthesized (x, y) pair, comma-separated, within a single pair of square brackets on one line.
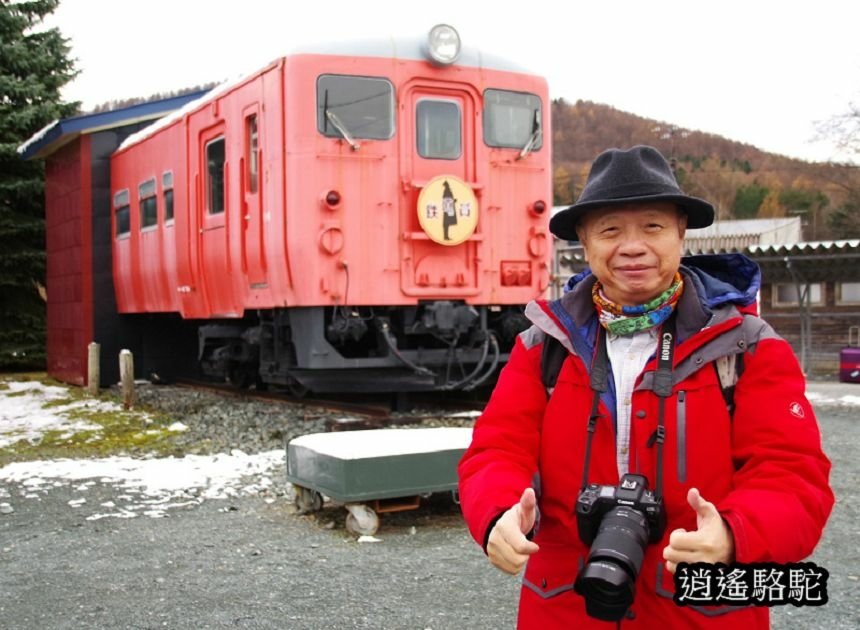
[(87, 426)]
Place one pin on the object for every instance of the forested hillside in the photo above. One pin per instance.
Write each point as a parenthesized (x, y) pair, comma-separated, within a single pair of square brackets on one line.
[(739, 179)]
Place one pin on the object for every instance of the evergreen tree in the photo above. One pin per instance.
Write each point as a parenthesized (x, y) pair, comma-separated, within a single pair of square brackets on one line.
[(845, 221), (34, 65), (748, 199)]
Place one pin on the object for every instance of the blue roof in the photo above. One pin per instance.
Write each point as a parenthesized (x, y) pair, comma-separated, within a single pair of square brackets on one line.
[(59, 132)]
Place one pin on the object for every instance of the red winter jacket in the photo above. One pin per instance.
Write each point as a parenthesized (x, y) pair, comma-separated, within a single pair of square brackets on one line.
[(762, 467)]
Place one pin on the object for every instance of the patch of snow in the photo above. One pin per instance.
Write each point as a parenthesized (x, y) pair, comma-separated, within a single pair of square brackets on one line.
[(818, 398), (466, 414), (22, 149), (180, 113), (160, 484), (385, 442), (23, 415)]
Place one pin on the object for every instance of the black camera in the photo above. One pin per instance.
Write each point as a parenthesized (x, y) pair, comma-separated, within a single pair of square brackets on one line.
[(618, 522)]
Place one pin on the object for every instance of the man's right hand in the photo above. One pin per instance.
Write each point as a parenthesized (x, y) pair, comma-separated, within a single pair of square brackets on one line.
[(508, 548)]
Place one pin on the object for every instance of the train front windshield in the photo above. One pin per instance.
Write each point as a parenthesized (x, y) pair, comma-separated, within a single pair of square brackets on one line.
[(363, 107), (511, 118)]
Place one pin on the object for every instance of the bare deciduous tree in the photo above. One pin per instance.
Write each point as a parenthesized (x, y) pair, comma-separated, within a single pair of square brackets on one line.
[(843, 130)]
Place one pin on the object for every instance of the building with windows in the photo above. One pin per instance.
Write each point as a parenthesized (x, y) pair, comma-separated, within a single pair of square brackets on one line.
[(811, 295), (81, 304)]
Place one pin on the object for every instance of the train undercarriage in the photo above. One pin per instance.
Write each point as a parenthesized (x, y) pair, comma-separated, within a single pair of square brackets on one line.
[(440, 345)]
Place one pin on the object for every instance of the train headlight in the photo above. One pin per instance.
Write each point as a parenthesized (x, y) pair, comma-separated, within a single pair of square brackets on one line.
[(443, 44)]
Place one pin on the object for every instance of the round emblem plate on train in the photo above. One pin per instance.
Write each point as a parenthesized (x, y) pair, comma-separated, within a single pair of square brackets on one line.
[(447, 210)]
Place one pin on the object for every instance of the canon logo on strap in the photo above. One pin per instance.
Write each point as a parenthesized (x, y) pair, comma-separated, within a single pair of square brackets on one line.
[(667, 346)]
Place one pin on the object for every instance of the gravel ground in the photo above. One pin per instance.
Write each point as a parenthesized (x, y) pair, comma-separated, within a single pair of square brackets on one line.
[(253, 562), (218, 423)]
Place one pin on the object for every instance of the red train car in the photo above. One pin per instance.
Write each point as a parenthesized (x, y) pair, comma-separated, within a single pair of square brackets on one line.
[(363, 216)]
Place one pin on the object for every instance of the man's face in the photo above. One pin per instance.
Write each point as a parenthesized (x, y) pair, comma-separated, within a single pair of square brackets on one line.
[(634, 250)]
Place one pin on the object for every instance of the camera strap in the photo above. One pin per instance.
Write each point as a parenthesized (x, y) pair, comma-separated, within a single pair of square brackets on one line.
[(662, 387), (599, 377)]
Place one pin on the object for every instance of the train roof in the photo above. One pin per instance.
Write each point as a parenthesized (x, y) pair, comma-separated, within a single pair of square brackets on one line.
[(412, 48), (391, 47)]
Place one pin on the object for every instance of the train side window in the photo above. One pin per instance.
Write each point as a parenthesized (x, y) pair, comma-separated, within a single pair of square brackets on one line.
[(148, 204), (438, 129), (252, 142), (215, 157), (361, 107), (167, 187), (511, 119), (122, 209)]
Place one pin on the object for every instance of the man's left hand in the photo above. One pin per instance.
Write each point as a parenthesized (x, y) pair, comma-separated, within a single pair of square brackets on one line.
[(711, 542)]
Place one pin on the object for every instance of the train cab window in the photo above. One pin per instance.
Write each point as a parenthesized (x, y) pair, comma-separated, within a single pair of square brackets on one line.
[(512, 120), (148, 204), (252, 142), (122, 210), (167, 187), (355, 107), (215, 157), (438, 129)]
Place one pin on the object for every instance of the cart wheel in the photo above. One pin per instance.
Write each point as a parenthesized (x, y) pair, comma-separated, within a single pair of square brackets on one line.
[(308, 500), (361, 520)]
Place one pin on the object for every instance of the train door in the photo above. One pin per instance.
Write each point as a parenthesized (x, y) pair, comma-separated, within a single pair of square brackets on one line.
[(214, 254), (253, 242), (440, 212)]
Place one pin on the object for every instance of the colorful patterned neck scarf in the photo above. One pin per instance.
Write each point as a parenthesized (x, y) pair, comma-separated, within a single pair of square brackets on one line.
[(626, 320)]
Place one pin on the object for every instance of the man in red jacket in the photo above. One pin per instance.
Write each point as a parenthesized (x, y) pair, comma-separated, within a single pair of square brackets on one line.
[(676, 429)]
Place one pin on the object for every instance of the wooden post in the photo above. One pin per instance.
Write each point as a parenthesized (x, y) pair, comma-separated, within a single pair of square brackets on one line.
[(126, 378), (93, 369)]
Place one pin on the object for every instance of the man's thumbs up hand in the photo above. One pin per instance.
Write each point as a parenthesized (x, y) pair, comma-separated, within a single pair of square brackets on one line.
[(508, 548), (711, 542)]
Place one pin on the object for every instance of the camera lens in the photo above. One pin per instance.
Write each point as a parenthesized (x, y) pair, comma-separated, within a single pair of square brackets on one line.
[(608, 580)]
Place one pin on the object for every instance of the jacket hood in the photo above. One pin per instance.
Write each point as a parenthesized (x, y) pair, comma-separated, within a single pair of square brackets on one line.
[(725, 279)]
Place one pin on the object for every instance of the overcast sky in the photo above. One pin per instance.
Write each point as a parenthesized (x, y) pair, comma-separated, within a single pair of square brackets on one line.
[(759, 72)]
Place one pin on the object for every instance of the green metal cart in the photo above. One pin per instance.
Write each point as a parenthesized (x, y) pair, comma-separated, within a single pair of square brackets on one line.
[(374, 471)]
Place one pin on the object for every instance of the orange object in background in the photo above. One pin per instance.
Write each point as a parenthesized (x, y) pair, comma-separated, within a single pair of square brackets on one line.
[(346, 208)]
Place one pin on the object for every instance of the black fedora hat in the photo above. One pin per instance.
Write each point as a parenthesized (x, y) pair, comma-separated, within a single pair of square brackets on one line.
[(619, 177)]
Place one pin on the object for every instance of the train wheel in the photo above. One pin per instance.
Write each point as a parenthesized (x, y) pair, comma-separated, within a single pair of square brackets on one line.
[(297, 389), (361, 520), (308, 500), (240, 376), (259, 384)]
